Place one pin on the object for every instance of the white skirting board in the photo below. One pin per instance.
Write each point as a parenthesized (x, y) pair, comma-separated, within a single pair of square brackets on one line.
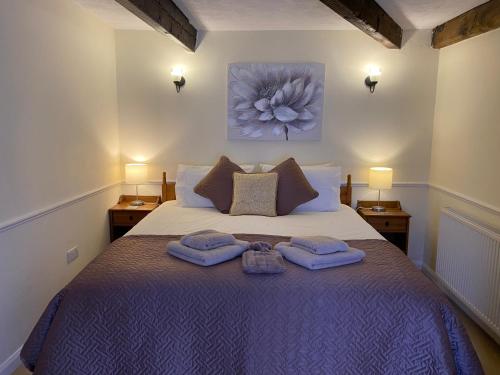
[(11, 363)]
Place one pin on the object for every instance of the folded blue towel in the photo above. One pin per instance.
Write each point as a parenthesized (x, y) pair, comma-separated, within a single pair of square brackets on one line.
[(268, 261), (315, 262), (207, 239), (206, 257), (319, 244)]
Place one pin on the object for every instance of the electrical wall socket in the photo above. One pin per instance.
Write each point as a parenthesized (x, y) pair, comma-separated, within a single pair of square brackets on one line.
[(72, 254)]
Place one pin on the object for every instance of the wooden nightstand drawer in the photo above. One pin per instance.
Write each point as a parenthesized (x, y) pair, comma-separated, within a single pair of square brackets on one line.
[(386, 224), (393, 223), (128, 217), (122, 218)]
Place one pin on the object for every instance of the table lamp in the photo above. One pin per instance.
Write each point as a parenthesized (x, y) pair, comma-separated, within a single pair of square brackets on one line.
[(380, 178), (136, 174)]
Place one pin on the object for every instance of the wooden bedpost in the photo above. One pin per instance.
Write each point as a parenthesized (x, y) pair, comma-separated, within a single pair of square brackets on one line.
[(346, 192), (167, 189), (164, 187), (349, 190)]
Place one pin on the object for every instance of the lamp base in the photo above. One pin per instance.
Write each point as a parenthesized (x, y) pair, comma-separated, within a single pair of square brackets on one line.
[(137, 202), (378, 208)]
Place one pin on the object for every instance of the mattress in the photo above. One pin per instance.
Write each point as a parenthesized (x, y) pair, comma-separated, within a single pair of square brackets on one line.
[(171, 219)]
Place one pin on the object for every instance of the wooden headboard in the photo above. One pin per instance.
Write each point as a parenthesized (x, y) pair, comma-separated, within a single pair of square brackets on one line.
[(168, 190)]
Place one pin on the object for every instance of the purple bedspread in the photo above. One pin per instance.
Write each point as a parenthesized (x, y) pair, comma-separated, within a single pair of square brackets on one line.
[(137, 310)]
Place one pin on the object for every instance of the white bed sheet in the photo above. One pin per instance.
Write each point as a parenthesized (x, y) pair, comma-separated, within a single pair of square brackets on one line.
[(170, 218)]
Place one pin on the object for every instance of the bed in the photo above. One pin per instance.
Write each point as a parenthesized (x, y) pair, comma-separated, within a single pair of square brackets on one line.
[(137, 310)]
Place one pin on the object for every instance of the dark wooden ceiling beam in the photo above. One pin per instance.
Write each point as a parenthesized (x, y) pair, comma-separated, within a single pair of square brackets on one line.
[(478, 20), (370, 18), (165, 17)]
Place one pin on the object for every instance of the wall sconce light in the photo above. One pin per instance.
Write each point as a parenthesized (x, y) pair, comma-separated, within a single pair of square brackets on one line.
[(179, 80), (373, 78)]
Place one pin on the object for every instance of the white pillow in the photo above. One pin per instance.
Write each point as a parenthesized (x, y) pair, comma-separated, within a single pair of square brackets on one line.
[(188, 177), (267, 167), (326, 180)]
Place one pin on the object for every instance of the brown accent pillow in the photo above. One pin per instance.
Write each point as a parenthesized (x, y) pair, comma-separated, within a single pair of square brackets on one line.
[(293, 187), (217, 185), (254, 194)]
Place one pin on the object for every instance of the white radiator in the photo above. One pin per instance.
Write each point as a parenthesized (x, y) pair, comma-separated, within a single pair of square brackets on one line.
[(468, 263)]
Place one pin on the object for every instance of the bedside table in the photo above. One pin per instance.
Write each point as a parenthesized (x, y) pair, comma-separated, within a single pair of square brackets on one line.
[(122, 217), (393, 224)]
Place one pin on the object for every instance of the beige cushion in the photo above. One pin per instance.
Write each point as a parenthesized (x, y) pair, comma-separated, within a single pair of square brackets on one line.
[(254, 194)]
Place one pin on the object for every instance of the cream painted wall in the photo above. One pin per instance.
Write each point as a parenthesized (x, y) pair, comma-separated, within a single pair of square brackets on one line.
[(391, 127), (58, 140), (58, 133), (466, 141)]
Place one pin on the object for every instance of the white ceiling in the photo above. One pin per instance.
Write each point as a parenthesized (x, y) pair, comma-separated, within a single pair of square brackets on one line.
[(238, 15), (114, 14), (219, 15), (426, 14)]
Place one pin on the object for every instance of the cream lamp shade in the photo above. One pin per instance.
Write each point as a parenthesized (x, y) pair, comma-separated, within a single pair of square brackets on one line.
[(136, 173), (380, 178)]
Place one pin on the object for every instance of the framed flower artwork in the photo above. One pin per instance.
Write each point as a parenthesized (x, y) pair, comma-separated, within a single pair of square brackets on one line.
[(275, 102)]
